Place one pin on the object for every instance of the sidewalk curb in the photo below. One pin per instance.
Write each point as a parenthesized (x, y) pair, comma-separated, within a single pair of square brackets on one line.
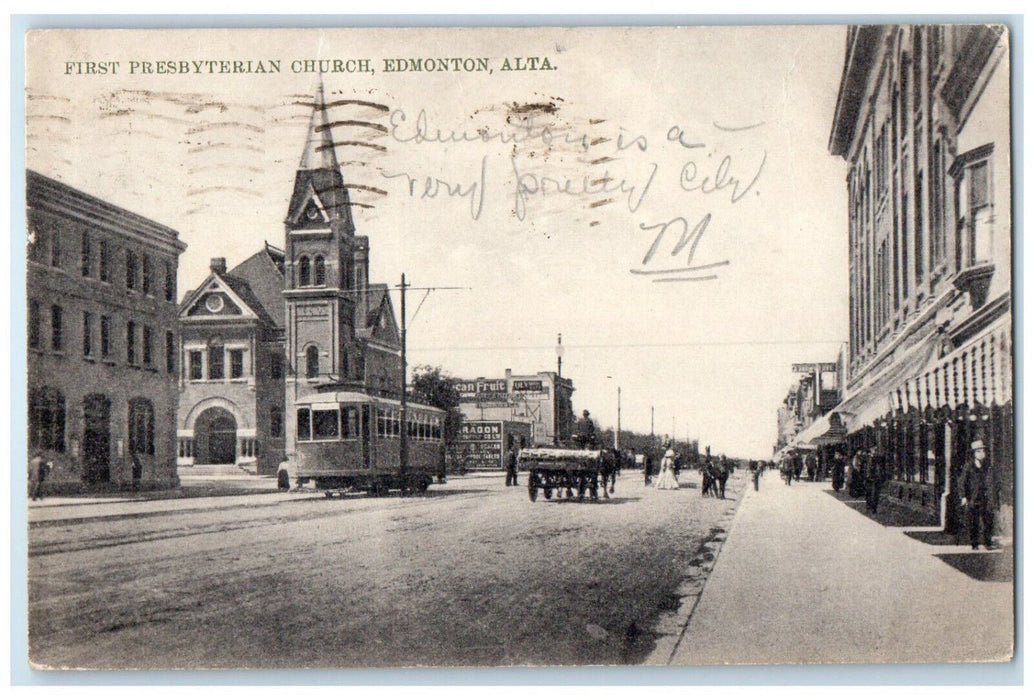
[(671, 626)]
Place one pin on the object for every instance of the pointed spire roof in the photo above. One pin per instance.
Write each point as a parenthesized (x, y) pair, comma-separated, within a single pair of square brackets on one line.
[(319, 179), (319, 146)]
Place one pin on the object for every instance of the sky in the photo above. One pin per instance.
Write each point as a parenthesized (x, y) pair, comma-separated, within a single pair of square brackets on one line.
[(663, 197)]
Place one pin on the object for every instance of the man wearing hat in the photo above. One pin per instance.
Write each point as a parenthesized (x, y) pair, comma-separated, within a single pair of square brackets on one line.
[(977, 495)]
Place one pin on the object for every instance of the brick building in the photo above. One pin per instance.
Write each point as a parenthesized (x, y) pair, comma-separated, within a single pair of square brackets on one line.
[(923, 121), (102, 340), (284, 325), (232, 385)]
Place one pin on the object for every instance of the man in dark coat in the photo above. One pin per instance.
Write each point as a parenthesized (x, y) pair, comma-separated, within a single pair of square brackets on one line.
[(511, 462), (873, 480), (978, 495), (838, 471), (585, 433)]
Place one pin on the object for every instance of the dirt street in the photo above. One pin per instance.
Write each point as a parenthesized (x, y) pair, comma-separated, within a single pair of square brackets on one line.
[(472, 573)]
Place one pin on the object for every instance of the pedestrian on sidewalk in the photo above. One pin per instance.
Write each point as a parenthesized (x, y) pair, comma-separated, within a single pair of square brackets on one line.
[(39, 469), (755, 473), (977, 496), (787, 469), (838, 471), (874, 476), (647, 468)]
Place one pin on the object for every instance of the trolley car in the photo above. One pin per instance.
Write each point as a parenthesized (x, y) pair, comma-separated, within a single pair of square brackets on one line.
[(351, 441)]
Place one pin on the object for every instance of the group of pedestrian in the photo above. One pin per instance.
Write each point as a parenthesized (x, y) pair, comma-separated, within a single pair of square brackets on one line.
[(714, 474)]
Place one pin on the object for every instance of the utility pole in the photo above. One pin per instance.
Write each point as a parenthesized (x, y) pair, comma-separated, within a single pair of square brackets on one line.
[(403, 435), (651, 426), (403, 432)]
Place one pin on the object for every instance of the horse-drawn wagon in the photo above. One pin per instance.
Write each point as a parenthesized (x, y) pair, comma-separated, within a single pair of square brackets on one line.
[(560, 471)]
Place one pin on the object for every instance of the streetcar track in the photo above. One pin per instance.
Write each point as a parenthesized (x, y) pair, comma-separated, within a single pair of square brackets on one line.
[(79, 544)]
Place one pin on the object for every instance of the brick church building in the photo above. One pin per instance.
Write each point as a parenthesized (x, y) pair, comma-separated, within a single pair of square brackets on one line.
[(284, 325)]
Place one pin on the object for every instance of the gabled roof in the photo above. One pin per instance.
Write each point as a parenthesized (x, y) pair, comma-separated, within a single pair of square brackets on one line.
[(237, 290), (263, 275), (368, 325)]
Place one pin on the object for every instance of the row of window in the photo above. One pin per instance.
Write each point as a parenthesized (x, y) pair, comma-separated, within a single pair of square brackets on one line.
[(899, 212), (421, 426), (343, 424), (98, 336), (218, 358), (97, 260), (47, 420)]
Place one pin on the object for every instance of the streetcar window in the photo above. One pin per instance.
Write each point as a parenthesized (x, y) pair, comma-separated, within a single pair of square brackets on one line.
[(304, 424), (382, 422), (395, 431), (325, 424)]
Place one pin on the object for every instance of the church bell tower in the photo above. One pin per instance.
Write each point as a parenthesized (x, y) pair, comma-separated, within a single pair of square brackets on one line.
[(325, 272)]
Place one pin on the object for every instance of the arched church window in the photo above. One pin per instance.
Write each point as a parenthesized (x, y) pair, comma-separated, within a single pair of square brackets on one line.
[(319, 272), (312, 361), (304, 272)]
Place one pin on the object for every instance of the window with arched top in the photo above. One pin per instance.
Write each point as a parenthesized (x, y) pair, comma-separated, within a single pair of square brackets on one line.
[(304, 272), (47, 419), (312, 361), (141, 426), (319, 271)]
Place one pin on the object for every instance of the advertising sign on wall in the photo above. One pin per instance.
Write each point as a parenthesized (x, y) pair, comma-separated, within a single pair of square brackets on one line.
[(479, 444)]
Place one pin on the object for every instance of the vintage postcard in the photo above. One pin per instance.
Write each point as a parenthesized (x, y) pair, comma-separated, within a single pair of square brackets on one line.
[(496, 347)]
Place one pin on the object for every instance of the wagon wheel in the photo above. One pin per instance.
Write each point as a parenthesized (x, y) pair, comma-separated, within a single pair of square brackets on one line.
[(533, 486)]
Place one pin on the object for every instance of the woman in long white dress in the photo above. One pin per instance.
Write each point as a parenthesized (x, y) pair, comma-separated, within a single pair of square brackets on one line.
[(667, 478)]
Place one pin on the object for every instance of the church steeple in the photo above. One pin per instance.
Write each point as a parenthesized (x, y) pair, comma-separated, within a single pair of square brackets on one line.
[(320, 196), (319, 146)]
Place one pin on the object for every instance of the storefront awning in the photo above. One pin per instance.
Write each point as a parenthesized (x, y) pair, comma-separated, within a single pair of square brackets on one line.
[(872, 401), (979, 371)]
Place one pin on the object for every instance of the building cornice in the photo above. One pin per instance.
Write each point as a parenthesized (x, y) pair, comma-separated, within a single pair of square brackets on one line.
[(48, 195)]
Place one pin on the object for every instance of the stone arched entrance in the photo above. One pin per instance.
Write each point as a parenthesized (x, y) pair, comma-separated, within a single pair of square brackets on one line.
[(215, 437)]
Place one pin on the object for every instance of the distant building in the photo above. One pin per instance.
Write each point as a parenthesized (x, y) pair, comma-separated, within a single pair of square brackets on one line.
[(801, 417), (542, 400), (102, 340), (922, 119)]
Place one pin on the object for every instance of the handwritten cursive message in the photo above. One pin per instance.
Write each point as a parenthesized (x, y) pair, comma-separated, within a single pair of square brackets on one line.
[(597, 167)]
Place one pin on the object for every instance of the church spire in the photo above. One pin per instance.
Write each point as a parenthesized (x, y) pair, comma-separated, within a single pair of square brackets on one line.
[(320, 194), (319, 146)]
